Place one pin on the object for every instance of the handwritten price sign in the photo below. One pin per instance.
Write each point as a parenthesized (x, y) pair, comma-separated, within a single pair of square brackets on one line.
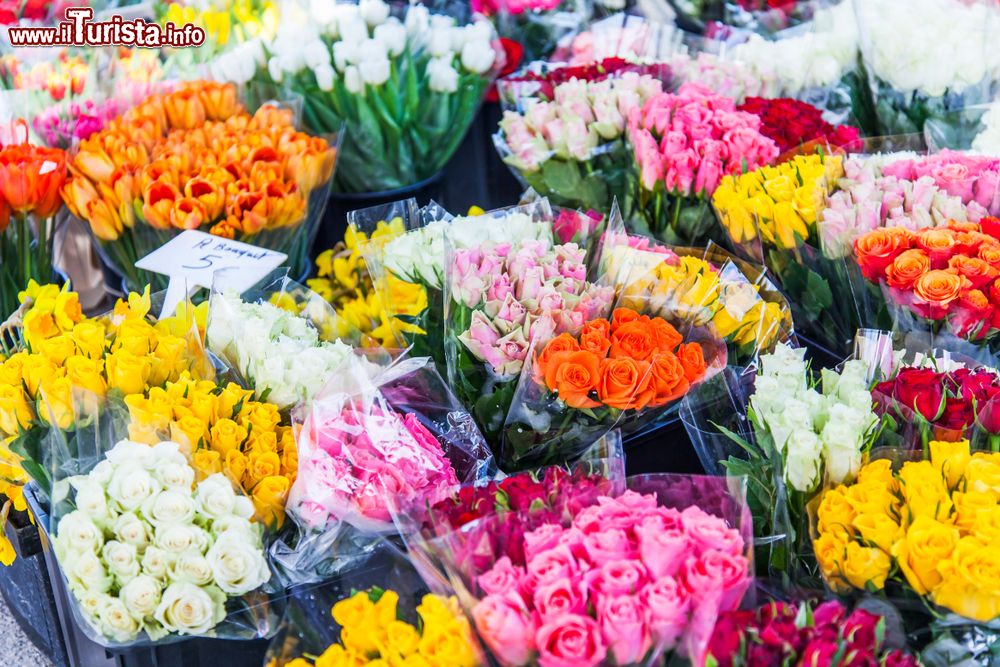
[(192, 258)]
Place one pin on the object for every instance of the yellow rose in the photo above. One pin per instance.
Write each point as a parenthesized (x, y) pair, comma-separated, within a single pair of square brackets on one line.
[(269, 496), (417, 660), (37, 326), (87, 374), (188, 431), (986, 526), (262, 416), (970, 580), (169, 360), (871, 498), (90, 339), (806, 201), (203, 405), (865, 567), (55, 403), (263, 465), (836, 513), (924, 491), (951, 459), (878, 529), (232, 399), (354, 611), (926, 543), (290, 461), (448, 649), (206, 462), (338, 656), (67, 310), (982, 475), (57, 348), (968, 505), (790, 229), (402, 638), (262, 442), (135, 336), (180, 389), (780, 188), (11, 369), (127, 372), (35, 369), (152, 412), (15, 411), (227, 435), (236, 464), (830, 551), (878, 471)]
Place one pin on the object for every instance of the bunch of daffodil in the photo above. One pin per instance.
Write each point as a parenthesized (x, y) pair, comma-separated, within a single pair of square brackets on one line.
[(933, 525), (224, 23), (780, 204), (223, 430), (345, 282), (194, 158), (372, 633)]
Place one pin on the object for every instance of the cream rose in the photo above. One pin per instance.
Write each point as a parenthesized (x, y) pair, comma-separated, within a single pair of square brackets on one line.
[(178, 538), (190, 567), (236, 525), (85, 572), (173, 475), (154, 562), (186, 609), (215, 496), (116, 621), (238, 565), (130, 485), (168, 507), (141, 595), (130, 529), (77, 532), (91, 500), (122, 560)]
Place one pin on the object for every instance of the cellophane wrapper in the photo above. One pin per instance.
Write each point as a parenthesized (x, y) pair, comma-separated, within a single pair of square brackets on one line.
[(539, 27), (73, 459), (474, 551), (376, 437), (624, 35), (764, 19)]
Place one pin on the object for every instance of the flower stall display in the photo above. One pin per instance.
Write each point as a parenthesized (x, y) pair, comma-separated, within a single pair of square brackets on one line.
[(684, 144), (31, 177), (405, 88), (227, 26), (799, 635), (959, 66), (196, 159), (150, 554), (640, 573), (568, 141)]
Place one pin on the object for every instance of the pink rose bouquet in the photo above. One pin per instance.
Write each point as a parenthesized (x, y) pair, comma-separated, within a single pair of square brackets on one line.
[(972, 178), (630, 576), (683, 145)]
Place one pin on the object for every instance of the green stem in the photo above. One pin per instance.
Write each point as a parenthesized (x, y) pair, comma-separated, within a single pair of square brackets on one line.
[(676, 215)]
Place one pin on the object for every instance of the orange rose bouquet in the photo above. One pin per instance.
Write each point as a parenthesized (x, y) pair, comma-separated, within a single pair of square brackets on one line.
[(195, 158), (620, 372)]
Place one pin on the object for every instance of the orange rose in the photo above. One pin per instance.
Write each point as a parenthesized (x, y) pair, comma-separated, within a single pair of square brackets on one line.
[(595, 341), (876, 250), (939, 244), (625, 384), (561, 343), (906, 268), (573, 375), (667, 377), (667, 337), (990, 252), (978, 271), (938, 289), (601, 325), (622, 316), (692, 358), (635, 340), (963, 226)]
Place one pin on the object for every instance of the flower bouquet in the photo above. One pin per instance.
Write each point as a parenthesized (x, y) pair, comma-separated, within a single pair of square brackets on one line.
[(684, 144), (252, 178), (151, 555), (779, 634), (536, 25), (373, 442), (792, 124), (623, 35), (958, 66), (630, 577), (567, 142), (405, 88)]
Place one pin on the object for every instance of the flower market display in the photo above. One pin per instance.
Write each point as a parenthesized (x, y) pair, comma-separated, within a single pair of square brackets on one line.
[(655, 333)]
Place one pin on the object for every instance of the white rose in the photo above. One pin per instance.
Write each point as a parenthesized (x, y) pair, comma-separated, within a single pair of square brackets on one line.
[(352, 80), (91, 603), (325, 76), (316, 54), (141, 595), (170, 506), (244, 508), (802, 461), (186, 609), (238, 566), (236, 525), (215, 496), (90, 499), (154, 562), (78, 533), (85, 572), (116, 621), (478, 57), (374, 12), (173, 475), (374, 72), (130, 529), (392, 35), (122, 560), (191, 567), (178, 538), (165, 452), (128, 452), (443, 77), (101, 473), (130, 486)]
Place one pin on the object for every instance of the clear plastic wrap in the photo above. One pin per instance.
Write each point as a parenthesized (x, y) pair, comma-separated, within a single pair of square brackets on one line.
[(648, 539), (374, 439), (623, 35), (537, 25)]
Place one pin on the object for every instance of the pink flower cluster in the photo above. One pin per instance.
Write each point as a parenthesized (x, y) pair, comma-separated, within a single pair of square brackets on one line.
[(60, 125), (515, 291), (515, 7), (686, 142), (973, 178), (626, 578), (866, 200), (362, 462)]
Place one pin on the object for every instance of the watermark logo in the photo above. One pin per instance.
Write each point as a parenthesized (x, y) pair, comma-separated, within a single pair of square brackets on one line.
[(80, 29)]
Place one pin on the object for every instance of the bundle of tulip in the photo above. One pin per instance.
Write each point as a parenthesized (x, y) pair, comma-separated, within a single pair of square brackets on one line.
[(196, 159), (225, 23)]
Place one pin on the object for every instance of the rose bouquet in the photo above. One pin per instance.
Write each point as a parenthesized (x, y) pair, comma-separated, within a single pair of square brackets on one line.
[(972, 178), (785, 634), (684, 144), (958, 66), (252, 178), (148, 553), (629, 577), (622, 372), (30, 180), (727, 77), (791, 124), (569, 142), (406, 89)]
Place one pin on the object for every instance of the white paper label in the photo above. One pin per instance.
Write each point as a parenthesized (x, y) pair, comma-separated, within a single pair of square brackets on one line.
[(192, 258)]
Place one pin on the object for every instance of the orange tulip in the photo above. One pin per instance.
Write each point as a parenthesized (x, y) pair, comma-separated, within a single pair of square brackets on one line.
[(212, 196), (31, 178), (158, 170), (184, 108), (104, 219), (159, 200), (187, 213), (248, 212), (78, 192), (92, 161), (4, 215), (223, 229), (286, 205), (219, 100)]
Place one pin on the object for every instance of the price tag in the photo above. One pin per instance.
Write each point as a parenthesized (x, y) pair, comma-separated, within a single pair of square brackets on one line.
[(192, 258)]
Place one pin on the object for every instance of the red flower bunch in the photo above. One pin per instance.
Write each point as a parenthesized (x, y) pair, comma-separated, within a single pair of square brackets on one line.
[(597, 71), (777, 634), (791, 123), (783, 6), (950, 402)]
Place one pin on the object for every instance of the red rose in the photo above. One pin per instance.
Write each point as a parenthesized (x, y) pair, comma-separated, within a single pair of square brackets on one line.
[(521, 491), (729, 637), (899, 659), (988, 410), (972, 385), (990, 225), (920, 389), (829, 613), (819, 654), (862, 628)]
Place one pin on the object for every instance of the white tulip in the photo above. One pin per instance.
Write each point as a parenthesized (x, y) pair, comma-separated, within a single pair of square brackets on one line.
[(324, 12), (371, 49), (352, 80), (353, 29), (316, 54), (417, 20), (275, 70), (188, 609), (325, 76), (439, 44), (442, 76), (392, 35), (374, 12), (344, 54), (374, 72), (478, 57), (441, 22)]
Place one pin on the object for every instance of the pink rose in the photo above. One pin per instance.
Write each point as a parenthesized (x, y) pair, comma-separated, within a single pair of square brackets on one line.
[(623, 626), (719, 572), (550, 300), (555, 563), (610, 544), (673, 142), (502, 578), (541, 539), (662, 551), (987, 191), (617, 577), (667, 603), (529, 282), (708, 531), (664, 518), (570, 641), (481, 335), (556, 598), (607, 513), (511, 311), (681, 172), (500, 287), (955, 179), (504, 623)]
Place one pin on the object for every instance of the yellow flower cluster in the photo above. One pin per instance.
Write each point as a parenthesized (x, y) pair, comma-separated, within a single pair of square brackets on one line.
[(238, 20), (935, 525), (224, 430), (373, 635), (780, 203), (344, 281)]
